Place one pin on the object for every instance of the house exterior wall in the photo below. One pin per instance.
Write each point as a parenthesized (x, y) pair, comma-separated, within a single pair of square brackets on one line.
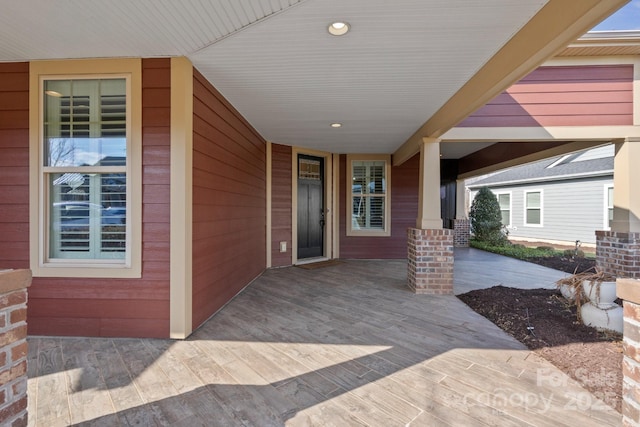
[(281, 204), (100, 307), (14, 165), (571, 210), (596, 95), (404, 211), (229, 201)]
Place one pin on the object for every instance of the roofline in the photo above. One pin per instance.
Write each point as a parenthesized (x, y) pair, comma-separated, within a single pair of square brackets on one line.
[(615, 37), (543, 178)]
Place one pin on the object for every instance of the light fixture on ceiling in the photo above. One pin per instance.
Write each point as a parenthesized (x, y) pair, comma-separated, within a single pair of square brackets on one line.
[(336, 125), (338, 28), (53, 93)]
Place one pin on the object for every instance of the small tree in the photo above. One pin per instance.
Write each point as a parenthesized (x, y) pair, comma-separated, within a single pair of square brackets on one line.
[(485, 217)]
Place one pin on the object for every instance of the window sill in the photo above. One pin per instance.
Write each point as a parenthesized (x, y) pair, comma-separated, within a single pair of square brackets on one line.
[(114, 271)]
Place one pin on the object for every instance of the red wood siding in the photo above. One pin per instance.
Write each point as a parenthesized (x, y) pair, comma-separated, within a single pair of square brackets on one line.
[(229, 201), (563, 96), (281, 204), (122, 307), (14, 165), (404, 211)]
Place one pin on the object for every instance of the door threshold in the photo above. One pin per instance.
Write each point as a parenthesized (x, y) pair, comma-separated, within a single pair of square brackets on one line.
[(311, 260)]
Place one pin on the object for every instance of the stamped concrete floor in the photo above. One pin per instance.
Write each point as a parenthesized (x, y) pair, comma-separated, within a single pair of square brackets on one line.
[(338, 346), (476, 269)]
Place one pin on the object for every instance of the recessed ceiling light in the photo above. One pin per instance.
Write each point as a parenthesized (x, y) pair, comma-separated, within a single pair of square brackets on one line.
[(338, 28), (336, 125)]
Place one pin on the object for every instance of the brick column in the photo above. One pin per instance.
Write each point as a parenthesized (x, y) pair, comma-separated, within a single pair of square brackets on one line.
[(629, 291), (461, 232), (13, 350), (618, 253), (430, 253)]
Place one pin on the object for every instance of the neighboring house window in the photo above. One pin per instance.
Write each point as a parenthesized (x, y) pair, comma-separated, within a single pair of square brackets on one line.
[(608, 209), (533, 208), (504, 200), (369, 194), (86, 162)]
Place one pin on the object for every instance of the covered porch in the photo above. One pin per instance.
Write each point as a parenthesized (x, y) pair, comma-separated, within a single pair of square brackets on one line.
[(348, 344)]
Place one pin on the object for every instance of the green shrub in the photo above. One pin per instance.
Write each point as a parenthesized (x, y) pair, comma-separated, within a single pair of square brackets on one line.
[(485, 218), (545, 248), (570, 253), (513, 251)]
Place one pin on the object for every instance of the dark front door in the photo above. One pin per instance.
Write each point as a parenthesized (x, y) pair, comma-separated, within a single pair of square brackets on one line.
[(310, 206)]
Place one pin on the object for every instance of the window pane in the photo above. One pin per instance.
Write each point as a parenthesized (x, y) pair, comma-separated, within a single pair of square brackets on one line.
[(505, 217), (87, 216), (309, 169), (368, 213), (368, 177), (504, 201), (533, 216), (85, 122), (533, 200)]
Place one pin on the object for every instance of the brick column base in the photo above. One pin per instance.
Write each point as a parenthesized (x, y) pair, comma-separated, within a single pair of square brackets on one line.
[(13, 347), (461, 232), (430, 269), (618, 253), (629, 291)]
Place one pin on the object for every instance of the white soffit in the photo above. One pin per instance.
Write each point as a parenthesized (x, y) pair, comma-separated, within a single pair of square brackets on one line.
[(398, 65), (276, 63), (46, 29)]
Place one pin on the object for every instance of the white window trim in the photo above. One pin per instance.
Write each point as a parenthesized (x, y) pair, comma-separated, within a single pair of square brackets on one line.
[(498, 193), (605, 218), (40, 266), (387, 205), (524, 219)]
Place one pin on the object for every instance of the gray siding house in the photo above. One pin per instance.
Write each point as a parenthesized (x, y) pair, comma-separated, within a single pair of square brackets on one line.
[(557, 200)]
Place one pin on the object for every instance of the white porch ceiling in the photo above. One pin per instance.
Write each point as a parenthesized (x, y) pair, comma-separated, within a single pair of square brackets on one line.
[(276, 63)]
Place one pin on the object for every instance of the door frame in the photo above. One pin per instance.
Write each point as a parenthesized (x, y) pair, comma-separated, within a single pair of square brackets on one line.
[(330, 203)]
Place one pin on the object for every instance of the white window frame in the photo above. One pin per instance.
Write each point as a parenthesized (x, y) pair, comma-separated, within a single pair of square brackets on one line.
[(498, 194), (605, 221), (40, 263), (351, 231), (541, 208)]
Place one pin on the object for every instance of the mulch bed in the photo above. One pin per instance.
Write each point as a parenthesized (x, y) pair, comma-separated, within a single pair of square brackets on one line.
[(591, 357), (566, 264)]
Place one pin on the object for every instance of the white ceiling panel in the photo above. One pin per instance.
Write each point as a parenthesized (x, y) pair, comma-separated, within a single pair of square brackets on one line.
[(46, 29), (399, 64)]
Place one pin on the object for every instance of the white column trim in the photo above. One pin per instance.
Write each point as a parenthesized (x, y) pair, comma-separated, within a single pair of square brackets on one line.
[(269, 180), (181, 193), (429, 215)]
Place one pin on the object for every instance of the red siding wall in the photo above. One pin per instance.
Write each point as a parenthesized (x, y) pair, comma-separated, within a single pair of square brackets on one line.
[(14, 165), (563, 96), (102, 307), (229, 201), (281, 204), (404, 211)]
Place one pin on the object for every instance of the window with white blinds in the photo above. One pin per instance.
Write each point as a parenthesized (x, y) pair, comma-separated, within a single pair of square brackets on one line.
[(85, 168), (369, 195)]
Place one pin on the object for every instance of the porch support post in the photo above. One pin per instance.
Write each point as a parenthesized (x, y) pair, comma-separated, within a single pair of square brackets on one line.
[(430, 247), (461, 225), (618, 249)]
